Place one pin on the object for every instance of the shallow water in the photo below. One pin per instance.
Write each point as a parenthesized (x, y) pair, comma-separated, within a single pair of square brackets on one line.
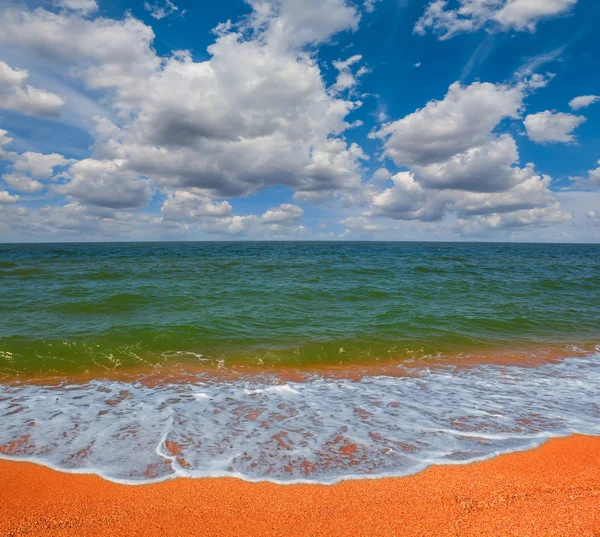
[(321, 430)]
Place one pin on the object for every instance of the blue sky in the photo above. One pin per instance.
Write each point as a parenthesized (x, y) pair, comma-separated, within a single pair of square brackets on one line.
[(300, 119)]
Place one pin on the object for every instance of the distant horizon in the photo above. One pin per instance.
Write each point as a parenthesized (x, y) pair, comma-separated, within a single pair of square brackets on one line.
[(305, 241)]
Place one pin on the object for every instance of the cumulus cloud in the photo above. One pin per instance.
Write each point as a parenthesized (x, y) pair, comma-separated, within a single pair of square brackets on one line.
[(382, 174), (24, 167), (297, 23), (530, 218), (5, 197), (186, 206), (463, 119), (38, 164), (22, 183), (105, 53), (482, 168), (472, 15), (552, 127), (285, 214), (459, 167), (256, 114), (106, 184), (16, 94), (216, 218), (583, 102), (408, 200), (532, 191)]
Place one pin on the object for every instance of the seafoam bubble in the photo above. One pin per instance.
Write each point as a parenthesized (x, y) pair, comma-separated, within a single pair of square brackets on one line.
[(322, 430)]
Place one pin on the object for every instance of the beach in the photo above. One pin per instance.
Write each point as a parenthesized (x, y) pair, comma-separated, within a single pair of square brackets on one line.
[(553, 490), (307, 268)]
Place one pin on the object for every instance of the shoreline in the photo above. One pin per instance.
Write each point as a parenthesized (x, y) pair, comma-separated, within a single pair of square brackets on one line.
[(548, 491), (401, 366)]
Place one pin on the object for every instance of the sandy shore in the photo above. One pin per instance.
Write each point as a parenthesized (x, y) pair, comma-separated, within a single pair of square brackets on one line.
[(550, 491)]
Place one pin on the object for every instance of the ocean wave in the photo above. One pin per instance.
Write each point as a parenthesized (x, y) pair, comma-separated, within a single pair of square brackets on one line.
[(321, 430)]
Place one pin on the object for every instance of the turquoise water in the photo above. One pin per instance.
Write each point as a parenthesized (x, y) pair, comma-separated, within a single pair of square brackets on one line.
[(72, 308)]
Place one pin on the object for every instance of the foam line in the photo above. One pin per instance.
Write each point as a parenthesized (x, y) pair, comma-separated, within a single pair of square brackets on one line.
[(318, 431)]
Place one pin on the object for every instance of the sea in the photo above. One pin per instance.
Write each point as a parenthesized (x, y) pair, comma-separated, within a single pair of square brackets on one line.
[(293, 362)]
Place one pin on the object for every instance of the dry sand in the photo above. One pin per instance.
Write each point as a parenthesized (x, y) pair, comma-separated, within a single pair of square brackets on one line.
[(550, 491)]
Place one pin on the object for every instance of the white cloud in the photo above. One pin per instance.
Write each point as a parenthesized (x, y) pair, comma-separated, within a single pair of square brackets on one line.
[(525, 14), (346, 79), (482, 168), (472, 15), (591, 182), (382, 174), (85, 7), (532, 191), (583, 102), (186, 206), (38, 164), (285, 214), (16, 94), (215, 219), (160, 10), (297, 23), (22, 183), (105, 184), (408, 200), (360, 224), (463, 119), (106, 53), (552, 127), (26, 166), (528, 218), (5, 197), (255, 115), (460, 167)]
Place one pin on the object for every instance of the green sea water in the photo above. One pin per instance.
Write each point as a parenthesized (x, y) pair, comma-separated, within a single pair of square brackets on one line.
[(74, 308)]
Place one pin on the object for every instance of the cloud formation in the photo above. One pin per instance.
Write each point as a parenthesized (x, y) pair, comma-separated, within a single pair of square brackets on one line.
[(464, 119), (460, 167), (583, 102), (591, 182), (472, 15), (177, 140), (160, 10), (16, 94), (552, 127)]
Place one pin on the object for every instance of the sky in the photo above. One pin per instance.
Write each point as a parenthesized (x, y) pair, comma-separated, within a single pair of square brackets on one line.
[(441, 120)]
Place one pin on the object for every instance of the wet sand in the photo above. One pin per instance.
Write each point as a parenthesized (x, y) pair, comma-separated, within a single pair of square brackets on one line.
[(550, 491)]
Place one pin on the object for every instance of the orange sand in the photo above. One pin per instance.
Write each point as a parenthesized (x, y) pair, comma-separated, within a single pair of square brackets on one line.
[(550, 491)]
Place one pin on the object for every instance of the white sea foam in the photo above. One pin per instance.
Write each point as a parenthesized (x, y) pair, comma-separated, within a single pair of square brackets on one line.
[(321, 430)]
